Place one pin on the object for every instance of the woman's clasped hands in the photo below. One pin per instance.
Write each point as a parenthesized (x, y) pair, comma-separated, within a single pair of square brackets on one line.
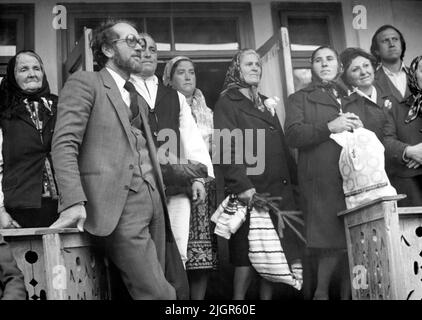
[(345, 122)]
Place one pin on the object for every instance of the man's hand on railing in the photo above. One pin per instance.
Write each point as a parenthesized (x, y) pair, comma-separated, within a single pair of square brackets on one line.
[(6, 221), (71, 217)]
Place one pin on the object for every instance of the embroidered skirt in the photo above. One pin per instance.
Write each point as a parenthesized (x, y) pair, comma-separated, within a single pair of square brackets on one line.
[(202, 244)]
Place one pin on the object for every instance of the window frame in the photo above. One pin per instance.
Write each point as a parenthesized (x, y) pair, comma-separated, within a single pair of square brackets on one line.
[(242, 12), (331, 11), (24, 13)]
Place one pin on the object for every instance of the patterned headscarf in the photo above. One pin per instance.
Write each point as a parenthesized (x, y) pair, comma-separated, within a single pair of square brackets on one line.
[(234, 78), (415, 100)]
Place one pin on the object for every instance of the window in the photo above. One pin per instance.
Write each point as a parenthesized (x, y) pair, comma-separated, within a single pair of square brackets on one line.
[(208, 33), (310, 25), (16, 31)]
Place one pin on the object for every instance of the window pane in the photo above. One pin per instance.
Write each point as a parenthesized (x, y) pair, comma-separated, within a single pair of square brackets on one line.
[(159, 29), (308, 33), (206, 34), (8, 34), (93, 23), (301, 78)]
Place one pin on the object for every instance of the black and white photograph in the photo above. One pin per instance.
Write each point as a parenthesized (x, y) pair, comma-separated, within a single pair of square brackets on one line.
[(211, 155)]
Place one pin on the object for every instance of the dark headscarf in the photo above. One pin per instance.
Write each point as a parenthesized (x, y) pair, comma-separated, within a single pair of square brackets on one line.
[(415, 100), (335, 87), (234, 78), (11, 95)]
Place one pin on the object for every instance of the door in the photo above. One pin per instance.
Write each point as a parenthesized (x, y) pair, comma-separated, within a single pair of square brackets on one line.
[(80, 58), (277, 70)]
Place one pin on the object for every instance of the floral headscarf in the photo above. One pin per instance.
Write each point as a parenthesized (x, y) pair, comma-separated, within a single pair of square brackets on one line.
[(234, 78), (415, 100)]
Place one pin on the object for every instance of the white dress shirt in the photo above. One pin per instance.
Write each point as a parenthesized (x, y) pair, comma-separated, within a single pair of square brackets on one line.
[(120, 82), (399, 79), (193, 146), (147, 88)]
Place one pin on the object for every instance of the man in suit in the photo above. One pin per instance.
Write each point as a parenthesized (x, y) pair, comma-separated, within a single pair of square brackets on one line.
[(388, 46), (106, 164), (12, 286), (168, 109)]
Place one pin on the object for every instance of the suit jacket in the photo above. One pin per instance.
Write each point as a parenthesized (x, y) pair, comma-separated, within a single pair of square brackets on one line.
[(91, 149), (386, 89), (95, 159), (12, 286), (399, 135)]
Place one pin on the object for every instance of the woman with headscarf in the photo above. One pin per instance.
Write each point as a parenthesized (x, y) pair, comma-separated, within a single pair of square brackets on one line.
[(403, 140), (254, 129), (179, 73), (312, 114), (27, 119)]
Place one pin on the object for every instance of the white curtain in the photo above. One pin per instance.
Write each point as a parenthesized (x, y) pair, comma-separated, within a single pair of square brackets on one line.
[(270, 84)]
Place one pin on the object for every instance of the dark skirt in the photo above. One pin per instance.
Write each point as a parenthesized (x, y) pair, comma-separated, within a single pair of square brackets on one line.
[(36, 217), (239, 246), (202, 243)]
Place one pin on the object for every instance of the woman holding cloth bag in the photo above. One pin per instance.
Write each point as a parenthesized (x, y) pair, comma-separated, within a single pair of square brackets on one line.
[(240, 107)]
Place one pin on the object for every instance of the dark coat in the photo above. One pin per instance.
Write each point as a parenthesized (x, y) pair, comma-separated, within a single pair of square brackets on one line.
[(399, 135), (307, 115), (12, 286), (24, 155), (386, 89), (234, 111)]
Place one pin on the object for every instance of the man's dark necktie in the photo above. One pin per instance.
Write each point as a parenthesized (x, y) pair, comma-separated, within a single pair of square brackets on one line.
[(134, 108)]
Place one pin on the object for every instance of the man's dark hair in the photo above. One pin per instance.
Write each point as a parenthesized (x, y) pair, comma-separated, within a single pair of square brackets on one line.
[(104, 34), (374, 44)]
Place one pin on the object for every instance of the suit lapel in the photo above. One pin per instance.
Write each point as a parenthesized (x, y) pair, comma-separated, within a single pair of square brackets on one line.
[(380, 97), (386, 85), (154, 160), (116, 99)]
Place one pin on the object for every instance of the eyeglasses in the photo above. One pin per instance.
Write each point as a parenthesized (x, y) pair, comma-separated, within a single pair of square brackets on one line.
[(132, 40)]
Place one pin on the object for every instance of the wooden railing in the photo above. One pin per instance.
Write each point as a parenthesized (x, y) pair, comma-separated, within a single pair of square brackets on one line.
[(59, 264)]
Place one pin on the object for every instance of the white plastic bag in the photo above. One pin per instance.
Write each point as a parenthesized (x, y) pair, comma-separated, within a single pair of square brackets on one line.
[(361, 166)]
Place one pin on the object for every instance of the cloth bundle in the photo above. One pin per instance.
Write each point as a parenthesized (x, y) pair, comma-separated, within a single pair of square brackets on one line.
[(266, 253), (229, 216), (361, 166)]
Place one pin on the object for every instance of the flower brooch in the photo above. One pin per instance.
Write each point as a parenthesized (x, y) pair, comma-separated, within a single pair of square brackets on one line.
[(271, 104)]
